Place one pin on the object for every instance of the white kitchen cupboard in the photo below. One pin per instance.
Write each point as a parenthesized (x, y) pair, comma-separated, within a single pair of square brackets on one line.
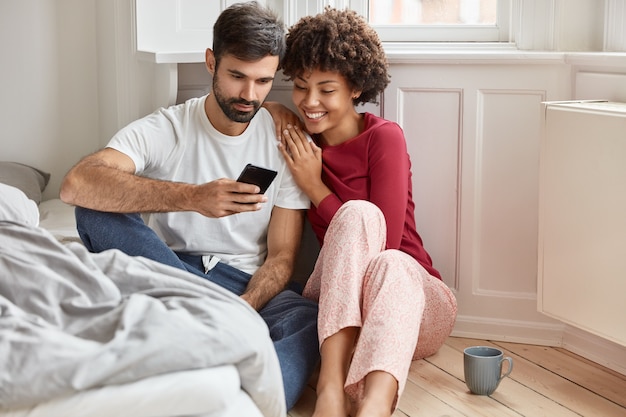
[(176, 31), (582, 218)]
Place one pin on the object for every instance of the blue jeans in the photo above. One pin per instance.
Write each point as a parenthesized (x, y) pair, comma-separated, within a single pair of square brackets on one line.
[(291, 318)]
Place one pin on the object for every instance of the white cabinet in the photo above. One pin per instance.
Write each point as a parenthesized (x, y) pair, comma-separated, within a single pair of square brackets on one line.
[(582, 218), (176, 31)]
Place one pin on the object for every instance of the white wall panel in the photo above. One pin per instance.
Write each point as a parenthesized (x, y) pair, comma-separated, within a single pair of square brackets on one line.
[(481, 125), (498, 250), (506, 193), (431, 119), (600, 86)]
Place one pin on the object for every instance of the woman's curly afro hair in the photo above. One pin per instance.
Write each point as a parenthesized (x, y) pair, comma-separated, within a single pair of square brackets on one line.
[(338, 41)]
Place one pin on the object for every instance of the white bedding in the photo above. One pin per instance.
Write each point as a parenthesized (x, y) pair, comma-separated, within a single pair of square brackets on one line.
[(110, 335), (210, 392)]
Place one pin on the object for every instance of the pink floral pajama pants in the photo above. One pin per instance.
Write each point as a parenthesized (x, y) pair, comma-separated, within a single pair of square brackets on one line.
[(403, 312)]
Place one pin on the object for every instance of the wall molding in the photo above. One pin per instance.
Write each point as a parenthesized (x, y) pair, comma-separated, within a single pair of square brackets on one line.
[(615, 26), (516, 331), (536, 26), (594, 348), (440, 139)]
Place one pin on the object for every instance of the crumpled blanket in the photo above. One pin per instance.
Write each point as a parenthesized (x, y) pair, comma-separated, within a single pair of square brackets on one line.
[(71, 320)]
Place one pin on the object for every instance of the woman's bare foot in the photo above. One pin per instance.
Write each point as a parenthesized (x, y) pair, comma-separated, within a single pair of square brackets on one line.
[(373, 408), (336, 352), (380, 395), (332, 403)]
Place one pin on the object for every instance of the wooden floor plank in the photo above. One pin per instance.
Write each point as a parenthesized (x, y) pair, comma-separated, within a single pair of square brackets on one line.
[(510, 393), (453, 392), (548, 383), (590, 376), (416, 401)]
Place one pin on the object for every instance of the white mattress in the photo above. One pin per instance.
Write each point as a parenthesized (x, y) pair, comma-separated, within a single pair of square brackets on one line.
[(199, 393), (58, 218)]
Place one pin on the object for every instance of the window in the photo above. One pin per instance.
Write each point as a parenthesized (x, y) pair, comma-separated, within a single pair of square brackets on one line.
[(420, 20), (432, 12), (440, 20)]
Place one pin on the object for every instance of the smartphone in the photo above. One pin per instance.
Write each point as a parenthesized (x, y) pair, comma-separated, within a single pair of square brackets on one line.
[(262, 177)]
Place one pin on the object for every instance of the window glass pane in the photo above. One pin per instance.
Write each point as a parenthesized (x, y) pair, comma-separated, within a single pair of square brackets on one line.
[(432, 12)]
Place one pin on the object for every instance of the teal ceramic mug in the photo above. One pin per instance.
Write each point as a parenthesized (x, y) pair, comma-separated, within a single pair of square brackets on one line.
[(483, 368)]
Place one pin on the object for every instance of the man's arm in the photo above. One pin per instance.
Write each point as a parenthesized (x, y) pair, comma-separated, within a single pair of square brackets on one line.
[(106, 181), (283, 242)]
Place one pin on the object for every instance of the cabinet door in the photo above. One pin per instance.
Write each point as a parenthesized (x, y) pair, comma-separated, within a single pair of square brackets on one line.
[(177, 27), (582, 219)]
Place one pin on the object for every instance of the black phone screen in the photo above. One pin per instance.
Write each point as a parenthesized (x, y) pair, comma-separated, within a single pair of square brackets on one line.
[(262, 177)]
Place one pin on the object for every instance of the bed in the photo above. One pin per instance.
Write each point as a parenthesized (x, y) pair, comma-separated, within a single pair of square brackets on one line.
[(106, 334)]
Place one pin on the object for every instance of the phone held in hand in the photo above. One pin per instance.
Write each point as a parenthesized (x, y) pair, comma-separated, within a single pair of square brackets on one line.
[(259, 176)]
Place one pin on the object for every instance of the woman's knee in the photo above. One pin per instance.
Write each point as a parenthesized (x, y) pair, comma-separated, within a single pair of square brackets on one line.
[(363, 209), (394, 273), (358, 221), (395, 265)]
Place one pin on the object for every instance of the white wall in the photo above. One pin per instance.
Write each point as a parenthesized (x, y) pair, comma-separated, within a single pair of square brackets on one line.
[(48, 105)]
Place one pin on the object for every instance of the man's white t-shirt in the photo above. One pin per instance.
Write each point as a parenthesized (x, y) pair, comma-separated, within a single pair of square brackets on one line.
[(180, 144)]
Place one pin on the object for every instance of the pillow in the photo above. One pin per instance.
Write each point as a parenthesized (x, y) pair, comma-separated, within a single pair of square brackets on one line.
[(30, 180), (16, 207)]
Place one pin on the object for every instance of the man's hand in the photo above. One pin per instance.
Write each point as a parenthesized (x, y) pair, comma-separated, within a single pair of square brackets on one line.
[(224, 197)]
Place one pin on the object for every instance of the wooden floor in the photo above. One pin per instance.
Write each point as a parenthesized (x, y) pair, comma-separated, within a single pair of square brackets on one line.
[(545, 381)]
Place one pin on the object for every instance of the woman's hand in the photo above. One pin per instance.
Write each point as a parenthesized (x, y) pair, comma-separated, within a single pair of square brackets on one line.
[(304, 159), (282, 116)]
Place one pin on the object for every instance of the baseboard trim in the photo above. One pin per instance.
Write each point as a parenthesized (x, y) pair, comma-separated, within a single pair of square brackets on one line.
[(589, 346), (596, 349), (535, 333)]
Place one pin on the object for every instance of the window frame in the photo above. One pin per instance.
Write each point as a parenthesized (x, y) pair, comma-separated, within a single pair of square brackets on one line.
[(501, 32)]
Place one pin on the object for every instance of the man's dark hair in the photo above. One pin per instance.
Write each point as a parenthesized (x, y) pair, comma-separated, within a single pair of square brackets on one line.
[(249, 32)]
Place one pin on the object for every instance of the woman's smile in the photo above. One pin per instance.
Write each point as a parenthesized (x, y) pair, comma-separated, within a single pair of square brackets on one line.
[(314, 116)]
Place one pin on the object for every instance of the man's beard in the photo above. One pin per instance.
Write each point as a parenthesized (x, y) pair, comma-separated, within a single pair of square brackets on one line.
[(227, 105)]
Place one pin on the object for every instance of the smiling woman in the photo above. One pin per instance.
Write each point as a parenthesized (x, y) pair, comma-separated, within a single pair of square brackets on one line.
[(381, 301)]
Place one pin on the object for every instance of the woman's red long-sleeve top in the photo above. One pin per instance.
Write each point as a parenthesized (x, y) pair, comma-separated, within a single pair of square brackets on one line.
[(373, 166)]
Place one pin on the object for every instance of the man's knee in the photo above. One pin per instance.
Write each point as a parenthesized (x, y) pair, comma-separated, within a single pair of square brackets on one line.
[(101, 230), (291, 315), (293, 303)]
